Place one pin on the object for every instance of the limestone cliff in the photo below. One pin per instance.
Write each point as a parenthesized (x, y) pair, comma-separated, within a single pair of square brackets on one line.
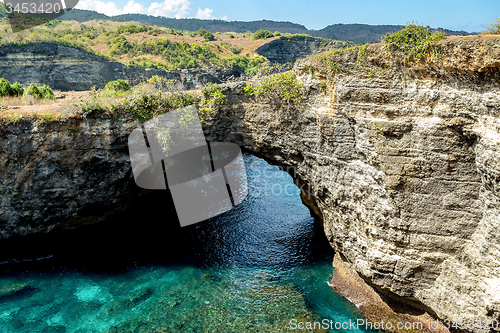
[(401, 163)]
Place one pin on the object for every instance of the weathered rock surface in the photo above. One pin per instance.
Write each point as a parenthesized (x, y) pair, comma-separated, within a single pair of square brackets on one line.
[(65, 68), (404, 172), (284, 49), (64, 174)]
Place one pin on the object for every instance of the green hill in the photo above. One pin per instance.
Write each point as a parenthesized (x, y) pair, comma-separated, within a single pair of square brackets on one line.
[(363, 33), (356, 33)]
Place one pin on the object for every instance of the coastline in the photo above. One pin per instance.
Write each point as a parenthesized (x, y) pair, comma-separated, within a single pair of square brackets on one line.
[(347, 283)]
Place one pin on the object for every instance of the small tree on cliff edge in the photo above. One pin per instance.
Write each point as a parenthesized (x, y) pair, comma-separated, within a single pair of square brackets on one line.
[(493, 28)]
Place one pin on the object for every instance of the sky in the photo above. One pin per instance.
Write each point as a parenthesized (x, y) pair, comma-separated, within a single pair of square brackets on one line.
[(471, 16)]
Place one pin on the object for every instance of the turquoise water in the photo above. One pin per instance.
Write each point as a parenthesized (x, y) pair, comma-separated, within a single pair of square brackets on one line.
[(252, 269)]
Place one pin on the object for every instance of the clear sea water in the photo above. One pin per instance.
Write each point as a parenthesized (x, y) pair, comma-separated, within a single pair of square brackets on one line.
[(252, 269)]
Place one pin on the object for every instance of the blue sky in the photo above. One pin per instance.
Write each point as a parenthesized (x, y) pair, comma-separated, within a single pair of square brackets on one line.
[(316, 14)]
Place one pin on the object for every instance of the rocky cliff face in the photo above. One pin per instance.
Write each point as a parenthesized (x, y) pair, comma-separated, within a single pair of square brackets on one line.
[(284, 49), (66, 68), (404, 170), (63, 174)]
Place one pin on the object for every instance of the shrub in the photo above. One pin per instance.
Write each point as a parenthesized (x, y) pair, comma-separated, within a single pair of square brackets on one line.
[(119, 45), (33, 90), (147, 106), (413, 42), (207, 35), (43, 92), (300, 36), (117, 85), (249, 66), (132, 29), (231, 36), (249, 90), (282, 90), (236, 49), (47, 92), (162, 83), (262, 34), (5, 88), (277, 33), (17, 89), (212, 97), (155, 32), (142, 104), (494, 28)]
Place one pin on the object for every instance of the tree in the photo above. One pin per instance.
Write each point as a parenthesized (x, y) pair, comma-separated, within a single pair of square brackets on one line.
[(262, 34), (207, 35)]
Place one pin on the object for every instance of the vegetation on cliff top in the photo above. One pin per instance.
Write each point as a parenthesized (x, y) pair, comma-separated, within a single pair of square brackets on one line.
[(16, 90), (159, 95), (412, 43), (262, 34), (146, 46), (404, 49), (493, 28), (145, 101), (281, 90)]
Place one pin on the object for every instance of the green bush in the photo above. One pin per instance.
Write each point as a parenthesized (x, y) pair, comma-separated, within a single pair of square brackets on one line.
[(142, 104), (47, 92), (155, 32), (207, 35), (249, 66), (5, 88), (43, 92), (262, 34), (117, 85), (162, 83), (17, 89), (132, 29), (249, 90), (277, 33), (236, 49), (300, 36), (119, 45), (212, 97), (494, 28), (413, 42), (281, 90), (33, 90), (147, 106)]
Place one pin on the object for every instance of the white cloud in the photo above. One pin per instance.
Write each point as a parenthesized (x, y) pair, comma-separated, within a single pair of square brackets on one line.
[(108, 8), (168, 8), (204, 13)]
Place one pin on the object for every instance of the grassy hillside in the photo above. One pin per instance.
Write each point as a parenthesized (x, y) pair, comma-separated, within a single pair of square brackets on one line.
[(147, 46), (356, 33)]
